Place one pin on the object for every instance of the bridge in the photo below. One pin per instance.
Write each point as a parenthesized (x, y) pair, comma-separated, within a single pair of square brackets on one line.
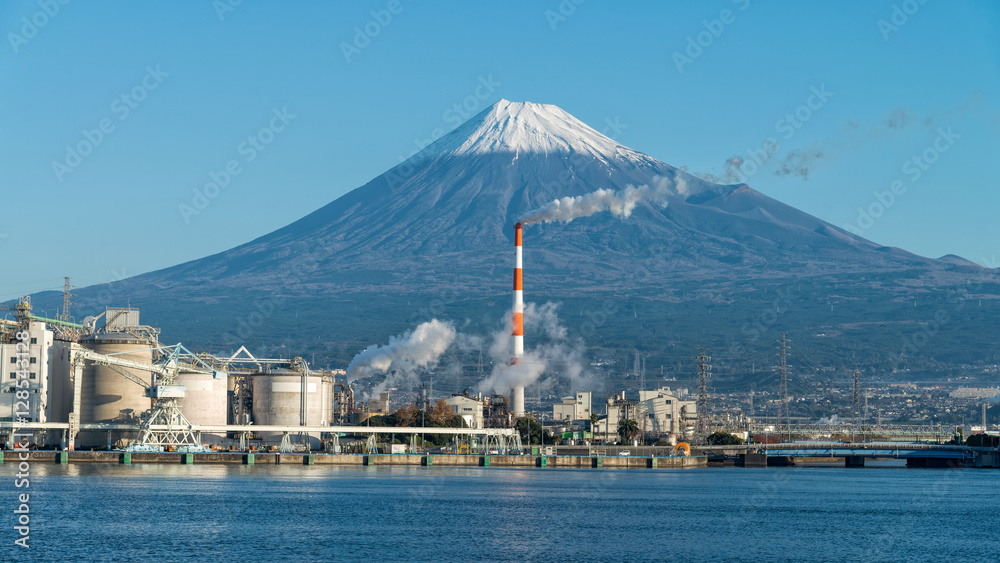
[(914, 432), (854, 454), (871, 450)]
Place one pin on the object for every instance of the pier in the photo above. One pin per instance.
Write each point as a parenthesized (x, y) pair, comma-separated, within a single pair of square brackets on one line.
[(358, 460)]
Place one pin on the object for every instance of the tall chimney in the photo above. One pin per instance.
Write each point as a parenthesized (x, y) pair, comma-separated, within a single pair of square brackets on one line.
[(517, 398)]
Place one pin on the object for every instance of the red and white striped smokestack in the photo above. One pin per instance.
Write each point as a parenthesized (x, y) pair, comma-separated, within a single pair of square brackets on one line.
[(517, 400)]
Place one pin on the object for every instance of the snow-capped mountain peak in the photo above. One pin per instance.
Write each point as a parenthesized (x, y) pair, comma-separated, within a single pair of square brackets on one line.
[(525, 127)]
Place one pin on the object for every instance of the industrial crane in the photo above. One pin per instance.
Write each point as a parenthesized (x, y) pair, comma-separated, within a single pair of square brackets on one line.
[(165, 425)]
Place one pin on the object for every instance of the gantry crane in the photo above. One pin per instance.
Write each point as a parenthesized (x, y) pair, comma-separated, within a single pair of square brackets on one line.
[(165, 425)]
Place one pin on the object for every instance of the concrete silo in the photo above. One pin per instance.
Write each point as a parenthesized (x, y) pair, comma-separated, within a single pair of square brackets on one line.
[(108, 396), (205, 401), (277, 401)]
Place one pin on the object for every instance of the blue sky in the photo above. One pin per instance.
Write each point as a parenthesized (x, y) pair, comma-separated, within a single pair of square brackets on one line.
[(198, 80)]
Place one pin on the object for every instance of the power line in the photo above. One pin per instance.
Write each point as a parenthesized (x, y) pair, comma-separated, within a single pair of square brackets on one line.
[(783, 348), (702, 405)]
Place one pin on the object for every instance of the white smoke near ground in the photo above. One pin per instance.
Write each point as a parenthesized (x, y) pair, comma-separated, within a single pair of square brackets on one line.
[(404, 356), (407, 357), (619, 202), (830, 420), (558, 354)]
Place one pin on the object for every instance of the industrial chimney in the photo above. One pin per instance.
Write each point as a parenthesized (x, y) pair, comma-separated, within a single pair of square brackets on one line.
[(517, 398)]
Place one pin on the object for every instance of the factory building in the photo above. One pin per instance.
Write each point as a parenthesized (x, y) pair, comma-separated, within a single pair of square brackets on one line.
[(662, 413), (659, 413), (94, 373), (469, 408), (380, 405), (573, 408), (48, 373)]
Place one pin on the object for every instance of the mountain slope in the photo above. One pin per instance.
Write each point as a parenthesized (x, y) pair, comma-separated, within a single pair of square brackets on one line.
[(458, 198), (437, 229)]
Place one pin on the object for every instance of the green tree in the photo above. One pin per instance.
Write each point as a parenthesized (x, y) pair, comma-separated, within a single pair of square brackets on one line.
[(720, 438), (593, 427), (982, 441), (530, 430), (628, 429)]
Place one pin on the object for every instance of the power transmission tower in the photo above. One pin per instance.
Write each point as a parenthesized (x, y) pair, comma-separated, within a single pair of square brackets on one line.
[(66, 302), (642, 372), (856, 396), (702, 405), (636, 371), (783, 348)]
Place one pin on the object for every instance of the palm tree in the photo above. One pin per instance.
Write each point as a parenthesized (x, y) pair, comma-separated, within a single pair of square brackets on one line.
[(628, 429)]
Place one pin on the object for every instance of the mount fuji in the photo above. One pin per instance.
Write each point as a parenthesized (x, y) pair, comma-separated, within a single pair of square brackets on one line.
[(433, 237)]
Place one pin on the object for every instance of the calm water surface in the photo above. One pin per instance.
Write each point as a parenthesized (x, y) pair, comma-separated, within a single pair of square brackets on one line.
[(275, 513)]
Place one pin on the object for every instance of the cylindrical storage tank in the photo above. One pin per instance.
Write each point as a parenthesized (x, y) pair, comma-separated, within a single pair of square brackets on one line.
[(205, 402), (326, 416), (277, 402), (108, 396)]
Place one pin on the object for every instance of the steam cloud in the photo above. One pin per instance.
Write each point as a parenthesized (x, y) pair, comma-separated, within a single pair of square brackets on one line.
[(560, 354), (802, 162), (404, 358), (404, 355), (799, 163), (833, 419), (619, 202)]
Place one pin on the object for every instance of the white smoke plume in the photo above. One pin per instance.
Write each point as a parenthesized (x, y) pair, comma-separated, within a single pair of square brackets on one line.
[(404, 355), (834, 419), (619, 202), (559, 355)]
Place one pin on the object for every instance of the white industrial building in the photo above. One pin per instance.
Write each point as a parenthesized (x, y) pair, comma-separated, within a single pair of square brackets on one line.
[(659, 413), (573, 408), (662, 412), (469, 408), (48, 374)]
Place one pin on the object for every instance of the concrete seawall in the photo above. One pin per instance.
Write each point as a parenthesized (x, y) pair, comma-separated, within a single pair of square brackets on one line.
[(415, 460)]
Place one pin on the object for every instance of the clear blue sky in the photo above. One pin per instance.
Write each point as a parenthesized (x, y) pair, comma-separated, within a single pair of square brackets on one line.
[(215, 81)]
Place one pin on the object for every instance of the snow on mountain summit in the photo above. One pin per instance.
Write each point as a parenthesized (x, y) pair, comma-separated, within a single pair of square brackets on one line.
[(526, 127)]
